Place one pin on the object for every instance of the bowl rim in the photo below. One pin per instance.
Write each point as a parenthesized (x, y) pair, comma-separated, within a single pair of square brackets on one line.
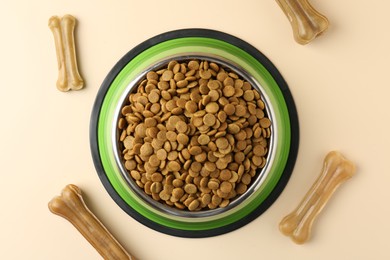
[(206, 33)]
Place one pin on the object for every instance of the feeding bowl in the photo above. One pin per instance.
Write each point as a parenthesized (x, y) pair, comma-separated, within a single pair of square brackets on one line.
[(232, 54)]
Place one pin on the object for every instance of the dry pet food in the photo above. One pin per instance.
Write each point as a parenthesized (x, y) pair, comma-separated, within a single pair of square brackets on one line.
[(193, 135), (63, 32)]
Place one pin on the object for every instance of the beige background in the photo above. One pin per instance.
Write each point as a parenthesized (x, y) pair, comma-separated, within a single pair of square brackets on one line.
[(339, 82)]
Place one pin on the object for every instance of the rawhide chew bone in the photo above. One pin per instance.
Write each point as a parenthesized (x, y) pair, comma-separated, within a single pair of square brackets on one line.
[(336, 170), (70, 205), (63, 32), (307, 23)]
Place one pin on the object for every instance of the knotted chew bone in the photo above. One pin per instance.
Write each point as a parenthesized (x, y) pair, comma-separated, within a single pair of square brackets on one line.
[(307, 23), (63, 32), (336, 170), (70, 205)]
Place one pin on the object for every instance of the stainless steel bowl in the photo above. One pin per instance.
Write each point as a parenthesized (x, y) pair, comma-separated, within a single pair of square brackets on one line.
[(257, 181)]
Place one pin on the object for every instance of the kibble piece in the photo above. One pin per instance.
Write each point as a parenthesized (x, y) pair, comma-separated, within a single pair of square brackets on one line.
[(177, 193), (205, 74), (154, 161), (226, 150), (151, 75), (174, 119), (209, 119), (195, 150), (179, 76), (162, 135), (170, 105), (163, 195), (182, 139), (166, 95), (193, 65), (174, 166), (221, 76), (147, 185), (257, 160), (127, 110), (130, 165), (213, 184), (200, 113), (222, 143), (201, 157), (214, 66), (228, 81), (213, 84), (210, 166), (172, 155), (204, 90), (212, 107), (140, 130), (246, 179), (182, 83), (226, 187), (206, 199), (154, 97), (240, 136), (216, 200), (122, 123), (214, 95), (193, 205), (257, 132), (171, 136), (240, 110), (233, 128), (224, 203), (190, 188), (196, 166), (229, 109), (157, 177), (259, 113), (228, 91), (222, 116), (150, 122), (167, 75), (191, 106), (234, 177), (137, 148), (177, 111), (203, 139), (181, 127), (128, 142), (241, 188), (203, 182), (197, 121), (239, 157), (249, 95), (163, 85), (161, 154), (225, 175), (146, 149), (265, 122), (177, 183), (252, 109), (258, 150), (156, 187), (135, 174)]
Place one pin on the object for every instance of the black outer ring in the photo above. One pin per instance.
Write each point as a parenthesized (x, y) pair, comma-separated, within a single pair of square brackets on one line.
[(240, 44)]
